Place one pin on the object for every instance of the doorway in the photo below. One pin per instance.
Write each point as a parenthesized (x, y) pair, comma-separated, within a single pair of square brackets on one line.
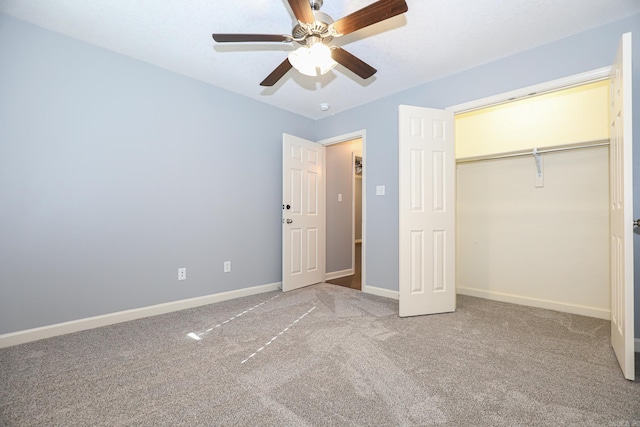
[(344, 178)]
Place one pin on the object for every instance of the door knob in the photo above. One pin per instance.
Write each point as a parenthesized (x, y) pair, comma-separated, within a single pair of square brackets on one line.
[(289, 220), (636, 223)]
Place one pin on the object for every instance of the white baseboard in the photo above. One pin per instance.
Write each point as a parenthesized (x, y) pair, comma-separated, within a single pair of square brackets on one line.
[(381, 292), (338, 274), (21, 337), (535, 302)]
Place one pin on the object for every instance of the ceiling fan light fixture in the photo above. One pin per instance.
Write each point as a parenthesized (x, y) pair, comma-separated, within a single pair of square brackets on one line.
[(313, 61), (314, 30)]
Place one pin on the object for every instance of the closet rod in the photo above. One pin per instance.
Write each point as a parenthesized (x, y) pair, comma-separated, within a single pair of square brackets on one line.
[(581, 146)]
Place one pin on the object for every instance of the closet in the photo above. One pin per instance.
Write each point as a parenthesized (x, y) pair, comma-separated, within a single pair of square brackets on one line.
[(532, 201)]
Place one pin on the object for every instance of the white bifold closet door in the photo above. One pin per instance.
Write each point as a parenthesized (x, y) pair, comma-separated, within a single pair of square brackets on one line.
[(621, 209), (427, 212)]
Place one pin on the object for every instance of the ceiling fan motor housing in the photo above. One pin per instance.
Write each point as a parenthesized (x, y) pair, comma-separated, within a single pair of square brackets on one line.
[(315, 4), (319, 29)]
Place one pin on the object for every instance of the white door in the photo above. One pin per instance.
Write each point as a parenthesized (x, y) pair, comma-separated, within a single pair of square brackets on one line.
[(621, 209), (427, 212), (303, 213)]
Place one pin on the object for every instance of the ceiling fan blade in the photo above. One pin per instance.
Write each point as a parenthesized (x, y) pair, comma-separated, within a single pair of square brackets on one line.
[(277, 74), (352, 62), (369, 15), (226, 38), (302, 11)]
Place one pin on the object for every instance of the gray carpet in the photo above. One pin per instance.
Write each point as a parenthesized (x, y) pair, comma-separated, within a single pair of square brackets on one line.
[(324, 356)]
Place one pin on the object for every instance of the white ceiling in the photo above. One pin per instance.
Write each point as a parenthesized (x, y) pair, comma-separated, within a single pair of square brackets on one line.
[(433, 39)]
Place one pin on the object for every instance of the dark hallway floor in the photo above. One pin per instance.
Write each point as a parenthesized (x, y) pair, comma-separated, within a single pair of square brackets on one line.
[(355, 280)]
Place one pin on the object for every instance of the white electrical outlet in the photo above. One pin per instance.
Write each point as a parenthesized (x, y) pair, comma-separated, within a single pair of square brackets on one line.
[(227, 266), (182, 273)]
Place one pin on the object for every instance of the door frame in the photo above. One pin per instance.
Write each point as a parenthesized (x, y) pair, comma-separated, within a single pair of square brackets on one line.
[(354, 179), (359, 134)]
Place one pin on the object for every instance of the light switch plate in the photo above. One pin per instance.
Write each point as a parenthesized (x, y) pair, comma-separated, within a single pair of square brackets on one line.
[(380, 190)]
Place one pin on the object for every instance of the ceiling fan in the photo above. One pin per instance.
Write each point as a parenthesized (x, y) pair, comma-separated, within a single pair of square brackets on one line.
[(313, 30)]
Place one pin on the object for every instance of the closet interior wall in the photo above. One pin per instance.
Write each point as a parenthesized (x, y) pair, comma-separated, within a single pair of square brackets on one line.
[(536, 240)]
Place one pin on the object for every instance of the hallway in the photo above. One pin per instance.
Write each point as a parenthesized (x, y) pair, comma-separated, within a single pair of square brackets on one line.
[(353, 281)]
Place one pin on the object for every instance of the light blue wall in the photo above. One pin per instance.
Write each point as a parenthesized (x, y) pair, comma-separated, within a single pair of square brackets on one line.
[(580, 53), (114, 173)]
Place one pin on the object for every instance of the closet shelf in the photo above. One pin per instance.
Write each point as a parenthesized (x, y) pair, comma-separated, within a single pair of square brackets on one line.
[(521, 153)]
